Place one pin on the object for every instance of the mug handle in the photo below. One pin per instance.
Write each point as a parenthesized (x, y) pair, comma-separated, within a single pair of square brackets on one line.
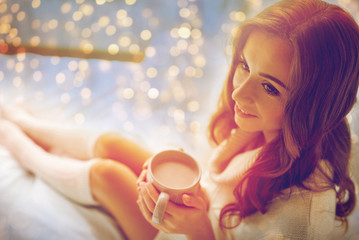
[(160, 208)]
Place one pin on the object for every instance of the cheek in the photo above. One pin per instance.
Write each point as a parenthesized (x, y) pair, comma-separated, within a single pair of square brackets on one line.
[(273, 115)]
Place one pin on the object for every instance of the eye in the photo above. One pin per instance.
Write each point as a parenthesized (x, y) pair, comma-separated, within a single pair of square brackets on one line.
[(270, 89), (243, 65)]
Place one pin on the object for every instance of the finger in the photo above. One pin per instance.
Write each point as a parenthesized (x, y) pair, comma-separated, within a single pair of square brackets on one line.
[(152, 192), (194, 201), (144, 210), (147, 199), (142, 177)]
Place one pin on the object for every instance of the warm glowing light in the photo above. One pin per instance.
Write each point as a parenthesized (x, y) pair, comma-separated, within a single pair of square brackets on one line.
[(237, 16), (175, 51), (113, 49), (72, 65), (86, 93), (104, 21), (37, 76), (19, 67), (60, 78), (15, 7), (3, 7), (127, 22), (153, 93), (184, 12), (100, 2), (86, 33), (34, 63), (66, 7), (193, 106), (193, 49), (179, 115), (69, 26), (128, 93), (182, 44), (36, 3), (4, 28), (134, 48), (83, 65), (17, 82), (124, 41), (150, 51), (86, 47), (151, 72), (20, 16), (146, 34), (77, 16), (87, 9), (200, 61), (130, 2), (173, 71), (190, 71), (79, 117), (196, 34), (21, 56), (184, 32), (111, 30), (121, 14)]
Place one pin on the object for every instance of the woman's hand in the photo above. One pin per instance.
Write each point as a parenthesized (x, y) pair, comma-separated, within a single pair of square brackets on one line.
[(190, 219)]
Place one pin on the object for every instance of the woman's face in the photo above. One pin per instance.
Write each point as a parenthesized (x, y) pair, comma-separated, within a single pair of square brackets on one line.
[(261, 83)]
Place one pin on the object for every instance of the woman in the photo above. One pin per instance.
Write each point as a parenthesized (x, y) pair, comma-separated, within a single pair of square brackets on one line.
[(283, 173), (283, 140)]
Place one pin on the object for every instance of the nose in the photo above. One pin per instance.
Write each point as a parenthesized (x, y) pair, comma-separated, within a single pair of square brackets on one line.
[(244, 93)]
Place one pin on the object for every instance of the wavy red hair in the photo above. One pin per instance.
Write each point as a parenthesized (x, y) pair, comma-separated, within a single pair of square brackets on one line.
[(324, 79)]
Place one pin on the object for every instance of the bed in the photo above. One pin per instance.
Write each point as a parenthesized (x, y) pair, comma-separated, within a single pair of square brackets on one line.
[(151, 70)]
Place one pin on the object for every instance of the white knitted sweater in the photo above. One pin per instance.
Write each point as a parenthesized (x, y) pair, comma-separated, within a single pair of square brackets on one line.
[(303, 214)]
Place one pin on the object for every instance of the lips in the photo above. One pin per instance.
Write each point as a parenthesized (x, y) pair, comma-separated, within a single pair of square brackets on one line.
[(242, 113)]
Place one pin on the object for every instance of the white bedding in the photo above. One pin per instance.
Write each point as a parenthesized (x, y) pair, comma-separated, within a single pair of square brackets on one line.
[(168, 110)]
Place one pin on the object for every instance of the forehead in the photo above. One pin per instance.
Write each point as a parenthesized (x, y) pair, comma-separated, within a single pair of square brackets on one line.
[(269, 54)]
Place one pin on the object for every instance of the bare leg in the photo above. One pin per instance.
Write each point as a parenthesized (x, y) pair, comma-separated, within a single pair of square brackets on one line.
[(74, 142), (114, 187)]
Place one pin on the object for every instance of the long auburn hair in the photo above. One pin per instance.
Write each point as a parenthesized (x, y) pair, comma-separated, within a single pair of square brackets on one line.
[(324, 78)]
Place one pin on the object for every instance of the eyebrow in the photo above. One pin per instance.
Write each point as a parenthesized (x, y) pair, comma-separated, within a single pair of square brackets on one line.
[(274, 79), (270, 77)]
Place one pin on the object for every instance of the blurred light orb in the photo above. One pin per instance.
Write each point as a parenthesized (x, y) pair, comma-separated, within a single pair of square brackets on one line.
[(153, 93), (79, 118), (66, 7), (86, 93), (35, 41), (184, 32), (151, 72), (146, 35), (60, 78), (37, 76), (128, 93), (150, 52), (130, 2)]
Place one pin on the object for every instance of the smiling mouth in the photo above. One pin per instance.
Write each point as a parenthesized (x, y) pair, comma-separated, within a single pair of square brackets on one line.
[(242, 113)]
